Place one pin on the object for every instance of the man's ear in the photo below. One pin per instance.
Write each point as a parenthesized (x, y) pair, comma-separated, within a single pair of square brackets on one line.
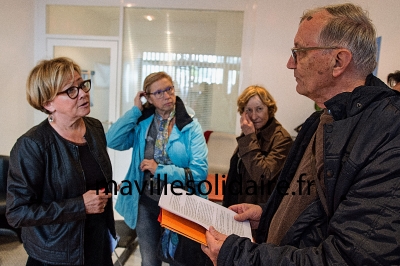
[(342, 60), (49, 106)]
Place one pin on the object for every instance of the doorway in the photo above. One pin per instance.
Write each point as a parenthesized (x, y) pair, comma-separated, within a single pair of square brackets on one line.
[(98, 62)]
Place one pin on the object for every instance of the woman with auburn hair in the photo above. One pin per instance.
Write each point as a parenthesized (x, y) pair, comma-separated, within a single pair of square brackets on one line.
[(261, 151)]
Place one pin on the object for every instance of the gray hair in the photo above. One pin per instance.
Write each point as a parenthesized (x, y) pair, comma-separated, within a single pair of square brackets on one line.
[(351, 28)]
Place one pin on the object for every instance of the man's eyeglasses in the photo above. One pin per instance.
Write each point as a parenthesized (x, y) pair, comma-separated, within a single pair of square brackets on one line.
[(160, 93), (296, 50), (73, 91)]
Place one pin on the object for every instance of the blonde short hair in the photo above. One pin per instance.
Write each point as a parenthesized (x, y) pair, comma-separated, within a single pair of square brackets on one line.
[(154, 77), (264, 95), (47, 78), (150, 79)]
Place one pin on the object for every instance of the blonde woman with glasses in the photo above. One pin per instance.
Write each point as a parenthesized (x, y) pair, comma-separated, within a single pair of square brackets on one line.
[(56, 170), (164, 140)]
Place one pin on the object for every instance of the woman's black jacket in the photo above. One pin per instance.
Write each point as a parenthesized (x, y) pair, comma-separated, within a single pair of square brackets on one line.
[(45, 187)]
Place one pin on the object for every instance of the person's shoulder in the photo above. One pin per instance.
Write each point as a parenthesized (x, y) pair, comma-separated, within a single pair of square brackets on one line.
[(94, 128), (93, 122), (279, 129), (38, 135), (40, 131), (193, 125), (395, 99), (390, 97)]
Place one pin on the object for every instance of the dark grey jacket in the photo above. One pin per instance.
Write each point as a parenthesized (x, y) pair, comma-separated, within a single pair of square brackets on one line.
[(45, 187), (361, 222)]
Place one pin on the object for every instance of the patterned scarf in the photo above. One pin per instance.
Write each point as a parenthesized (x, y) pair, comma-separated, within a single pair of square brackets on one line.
[(160, 153)]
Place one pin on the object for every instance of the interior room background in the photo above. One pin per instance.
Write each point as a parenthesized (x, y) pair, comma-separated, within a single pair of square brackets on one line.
[(242, 42)]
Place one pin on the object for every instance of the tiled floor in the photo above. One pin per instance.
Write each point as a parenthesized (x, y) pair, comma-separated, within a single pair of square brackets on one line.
[(12, 253), (134, 259)]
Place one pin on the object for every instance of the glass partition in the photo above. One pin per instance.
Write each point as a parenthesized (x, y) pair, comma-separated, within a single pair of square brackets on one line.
[(199, 49)]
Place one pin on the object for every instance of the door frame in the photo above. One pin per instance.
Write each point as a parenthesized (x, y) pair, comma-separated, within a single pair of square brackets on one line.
[(113, 46), (113, 103)]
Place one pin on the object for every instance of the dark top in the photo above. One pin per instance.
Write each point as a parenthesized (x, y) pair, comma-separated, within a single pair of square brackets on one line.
[(50, 209), (96, 231), (359, 222)]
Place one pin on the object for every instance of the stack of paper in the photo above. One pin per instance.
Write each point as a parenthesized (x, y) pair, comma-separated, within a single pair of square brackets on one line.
[(191, 216)]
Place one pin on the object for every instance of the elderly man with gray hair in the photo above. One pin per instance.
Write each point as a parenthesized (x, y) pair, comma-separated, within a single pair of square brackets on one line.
[(350, 151)]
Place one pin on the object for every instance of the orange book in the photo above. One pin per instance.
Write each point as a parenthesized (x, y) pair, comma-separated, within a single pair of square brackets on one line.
[(191, 215), (183, 226)]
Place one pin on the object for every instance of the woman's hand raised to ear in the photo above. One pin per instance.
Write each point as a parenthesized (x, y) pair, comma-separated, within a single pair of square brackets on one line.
[(137, 102)]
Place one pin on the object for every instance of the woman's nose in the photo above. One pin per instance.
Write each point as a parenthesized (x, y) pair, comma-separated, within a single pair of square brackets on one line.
[(82, 93), (252, 115), (166, 95)]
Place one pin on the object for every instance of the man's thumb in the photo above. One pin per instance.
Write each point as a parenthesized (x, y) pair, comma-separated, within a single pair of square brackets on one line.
[(214, 232), (240, 217)]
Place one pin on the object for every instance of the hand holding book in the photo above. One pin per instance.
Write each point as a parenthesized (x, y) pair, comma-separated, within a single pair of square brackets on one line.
[(191, 216)]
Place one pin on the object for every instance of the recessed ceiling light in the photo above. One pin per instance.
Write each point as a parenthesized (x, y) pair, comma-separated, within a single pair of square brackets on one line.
[(149, 17)]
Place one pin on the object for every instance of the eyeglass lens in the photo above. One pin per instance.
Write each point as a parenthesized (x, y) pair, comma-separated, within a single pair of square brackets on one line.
[(294, 55), (295, 50), (74, 91), (160, 93)]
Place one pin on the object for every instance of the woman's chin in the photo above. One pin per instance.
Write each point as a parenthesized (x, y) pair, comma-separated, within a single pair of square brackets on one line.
[(258, 126)]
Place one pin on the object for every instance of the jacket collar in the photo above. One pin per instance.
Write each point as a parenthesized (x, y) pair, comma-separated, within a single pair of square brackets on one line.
[(348, 104), (266, 132), (182, 117)]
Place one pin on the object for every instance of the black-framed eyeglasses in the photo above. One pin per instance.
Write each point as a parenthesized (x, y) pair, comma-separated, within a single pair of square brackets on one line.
[(73, 91), (160, 93), (296, 50)]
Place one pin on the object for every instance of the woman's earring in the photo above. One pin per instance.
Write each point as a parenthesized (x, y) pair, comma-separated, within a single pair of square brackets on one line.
[(50, 118)]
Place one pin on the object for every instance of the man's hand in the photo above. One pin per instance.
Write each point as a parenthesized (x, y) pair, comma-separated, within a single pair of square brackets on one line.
[(249, 212), (95, 203), (214, 243)]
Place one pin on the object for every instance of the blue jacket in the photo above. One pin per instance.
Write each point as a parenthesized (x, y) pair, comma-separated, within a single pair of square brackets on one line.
[(186, 147), (359, 222)]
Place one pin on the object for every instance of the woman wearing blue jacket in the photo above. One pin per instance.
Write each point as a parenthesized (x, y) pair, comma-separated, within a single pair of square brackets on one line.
[(164, 140)]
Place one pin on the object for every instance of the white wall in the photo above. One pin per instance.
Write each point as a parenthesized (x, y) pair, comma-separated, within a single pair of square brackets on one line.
[(16, 60), (276, 24), (269, 29)]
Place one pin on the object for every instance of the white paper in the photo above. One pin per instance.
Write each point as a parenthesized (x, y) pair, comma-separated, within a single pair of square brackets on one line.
[(203, 212)]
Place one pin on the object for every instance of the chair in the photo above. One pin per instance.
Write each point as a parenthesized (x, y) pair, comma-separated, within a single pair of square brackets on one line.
[(127, 241), (221, 146), (5, 228)]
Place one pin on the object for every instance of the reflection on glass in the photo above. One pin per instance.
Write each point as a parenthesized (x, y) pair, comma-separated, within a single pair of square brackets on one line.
[(95, 65), (199, 49)]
